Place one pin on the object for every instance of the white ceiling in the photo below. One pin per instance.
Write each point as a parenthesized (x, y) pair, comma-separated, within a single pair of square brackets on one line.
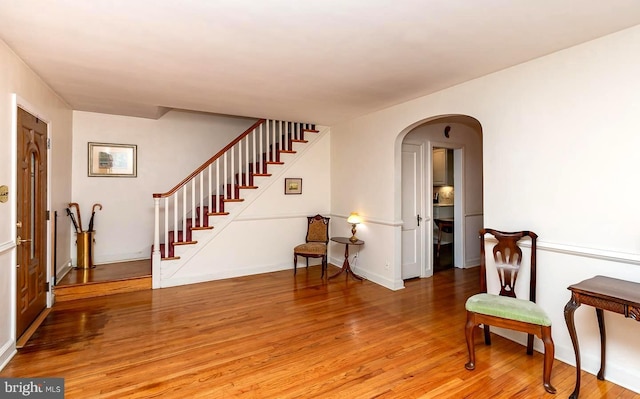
[(319, 61)]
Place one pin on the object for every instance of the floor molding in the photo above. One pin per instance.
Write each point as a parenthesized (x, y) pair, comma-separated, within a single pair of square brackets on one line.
[(22, 341)]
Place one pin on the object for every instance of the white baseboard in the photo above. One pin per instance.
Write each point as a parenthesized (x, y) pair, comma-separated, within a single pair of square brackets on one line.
[(469, 263), (131, 257), (7, 351), (381, 280), (63, 271), (625, 377), (222, 274), (373, 277)]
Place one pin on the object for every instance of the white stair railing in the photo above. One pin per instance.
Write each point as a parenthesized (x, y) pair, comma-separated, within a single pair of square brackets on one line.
[(189, 204)]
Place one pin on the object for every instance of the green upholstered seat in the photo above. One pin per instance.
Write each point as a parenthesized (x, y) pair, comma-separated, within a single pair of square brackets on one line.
[(508, 308)]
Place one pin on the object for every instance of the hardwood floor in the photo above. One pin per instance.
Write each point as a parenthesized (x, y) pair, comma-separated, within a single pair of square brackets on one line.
[(445, 260), (107, 279), (108, 272), (279, 336)]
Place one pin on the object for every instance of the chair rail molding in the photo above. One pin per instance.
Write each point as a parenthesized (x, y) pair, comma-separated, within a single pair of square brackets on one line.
[(7, 246), (366, 219), (593, 253)]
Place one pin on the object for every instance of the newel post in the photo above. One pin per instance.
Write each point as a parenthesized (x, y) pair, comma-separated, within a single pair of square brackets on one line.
[(156, 257)]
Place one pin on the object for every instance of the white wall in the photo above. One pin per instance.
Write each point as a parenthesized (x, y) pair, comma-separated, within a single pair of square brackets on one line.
[(559, 134), (31, 93), (169, 149)]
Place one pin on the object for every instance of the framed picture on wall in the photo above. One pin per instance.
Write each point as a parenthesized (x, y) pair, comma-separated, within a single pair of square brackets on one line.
[(292, 185), (113, 160)]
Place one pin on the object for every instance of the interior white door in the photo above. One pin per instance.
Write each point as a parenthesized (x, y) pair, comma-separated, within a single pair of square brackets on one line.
[(412, 244)]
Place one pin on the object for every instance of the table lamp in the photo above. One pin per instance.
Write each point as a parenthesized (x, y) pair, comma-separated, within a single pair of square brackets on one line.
[(354, 219)]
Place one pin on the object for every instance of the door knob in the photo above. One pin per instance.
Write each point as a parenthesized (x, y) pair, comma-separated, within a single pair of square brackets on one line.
[(19, 240)]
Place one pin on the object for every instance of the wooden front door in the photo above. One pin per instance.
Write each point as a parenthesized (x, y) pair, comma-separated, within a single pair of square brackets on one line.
[(31, 220)]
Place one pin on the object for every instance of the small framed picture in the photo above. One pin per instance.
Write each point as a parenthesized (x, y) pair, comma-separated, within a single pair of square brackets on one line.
[(112, 160), (292, 185)]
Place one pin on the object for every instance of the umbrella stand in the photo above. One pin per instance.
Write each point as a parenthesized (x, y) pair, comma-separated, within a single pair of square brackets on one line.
[(84, 241)]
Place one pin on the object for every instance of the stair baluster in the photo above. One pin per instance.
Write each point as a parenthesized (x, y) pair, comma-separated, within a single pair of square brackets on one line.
[(204, 192)]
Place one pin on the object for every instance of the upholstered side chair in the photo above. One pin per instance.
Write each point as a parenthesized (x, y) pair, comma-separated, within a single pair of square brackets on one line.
[(505, 309), (316, 242)]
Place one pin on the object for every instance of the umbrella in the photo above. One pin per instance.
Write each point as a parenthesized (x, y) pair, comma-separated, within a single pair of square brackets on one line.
[(78, 212), (73, 219), (93, 213)]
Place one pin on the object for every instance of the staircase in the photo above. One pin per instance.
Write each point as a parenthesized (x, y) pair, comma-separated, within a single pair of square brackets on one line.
[(205, 199)]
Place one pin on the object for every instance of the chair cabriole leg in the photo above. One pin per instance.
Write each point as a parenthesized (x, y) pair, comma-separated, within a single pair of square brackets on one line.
[(468, 332), (548, 359)]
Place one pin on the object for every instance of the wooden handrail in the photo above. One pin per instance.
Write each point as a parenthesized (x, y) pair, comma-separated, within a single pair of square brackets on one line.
[(209, 162)]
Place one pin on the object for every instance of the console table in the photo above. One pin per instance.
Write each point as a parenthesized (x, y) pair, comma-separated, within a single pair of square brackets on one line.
[(603, 293), (346, 267)]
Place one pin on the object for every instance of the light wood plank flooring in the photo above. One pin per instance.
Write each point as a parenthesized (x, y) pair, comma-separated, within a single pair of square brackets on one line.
[(108, 272), (106, 279), (279, 336)]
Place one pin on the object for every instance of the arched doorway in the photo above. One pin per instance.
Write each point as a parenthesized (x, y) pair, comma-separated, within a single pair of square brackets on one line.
[(425, 199)]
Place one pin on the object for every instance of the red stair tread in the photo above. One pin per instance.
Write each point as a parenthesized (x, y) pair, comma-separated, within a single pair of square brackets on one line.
[(243, 180)]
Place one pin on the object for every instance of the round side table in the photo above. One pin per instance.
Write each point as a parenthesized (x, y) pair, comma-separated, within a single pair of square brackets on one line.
[(346, 267)]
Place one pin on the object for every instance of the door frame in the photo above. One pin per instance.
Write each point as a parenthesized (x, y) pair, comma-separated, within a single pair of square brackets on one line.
[(459, 252), (19, 102), (426, 207)]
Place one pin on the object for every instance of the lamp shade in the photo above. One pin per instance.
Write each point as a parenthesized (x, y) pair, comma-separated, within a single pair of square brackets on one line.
[(354, 218)]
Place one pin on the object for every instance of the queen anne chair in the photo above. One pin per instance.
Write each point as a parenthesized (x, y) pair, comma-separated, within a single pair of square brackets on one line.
[(316, 242), (506, 310)]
